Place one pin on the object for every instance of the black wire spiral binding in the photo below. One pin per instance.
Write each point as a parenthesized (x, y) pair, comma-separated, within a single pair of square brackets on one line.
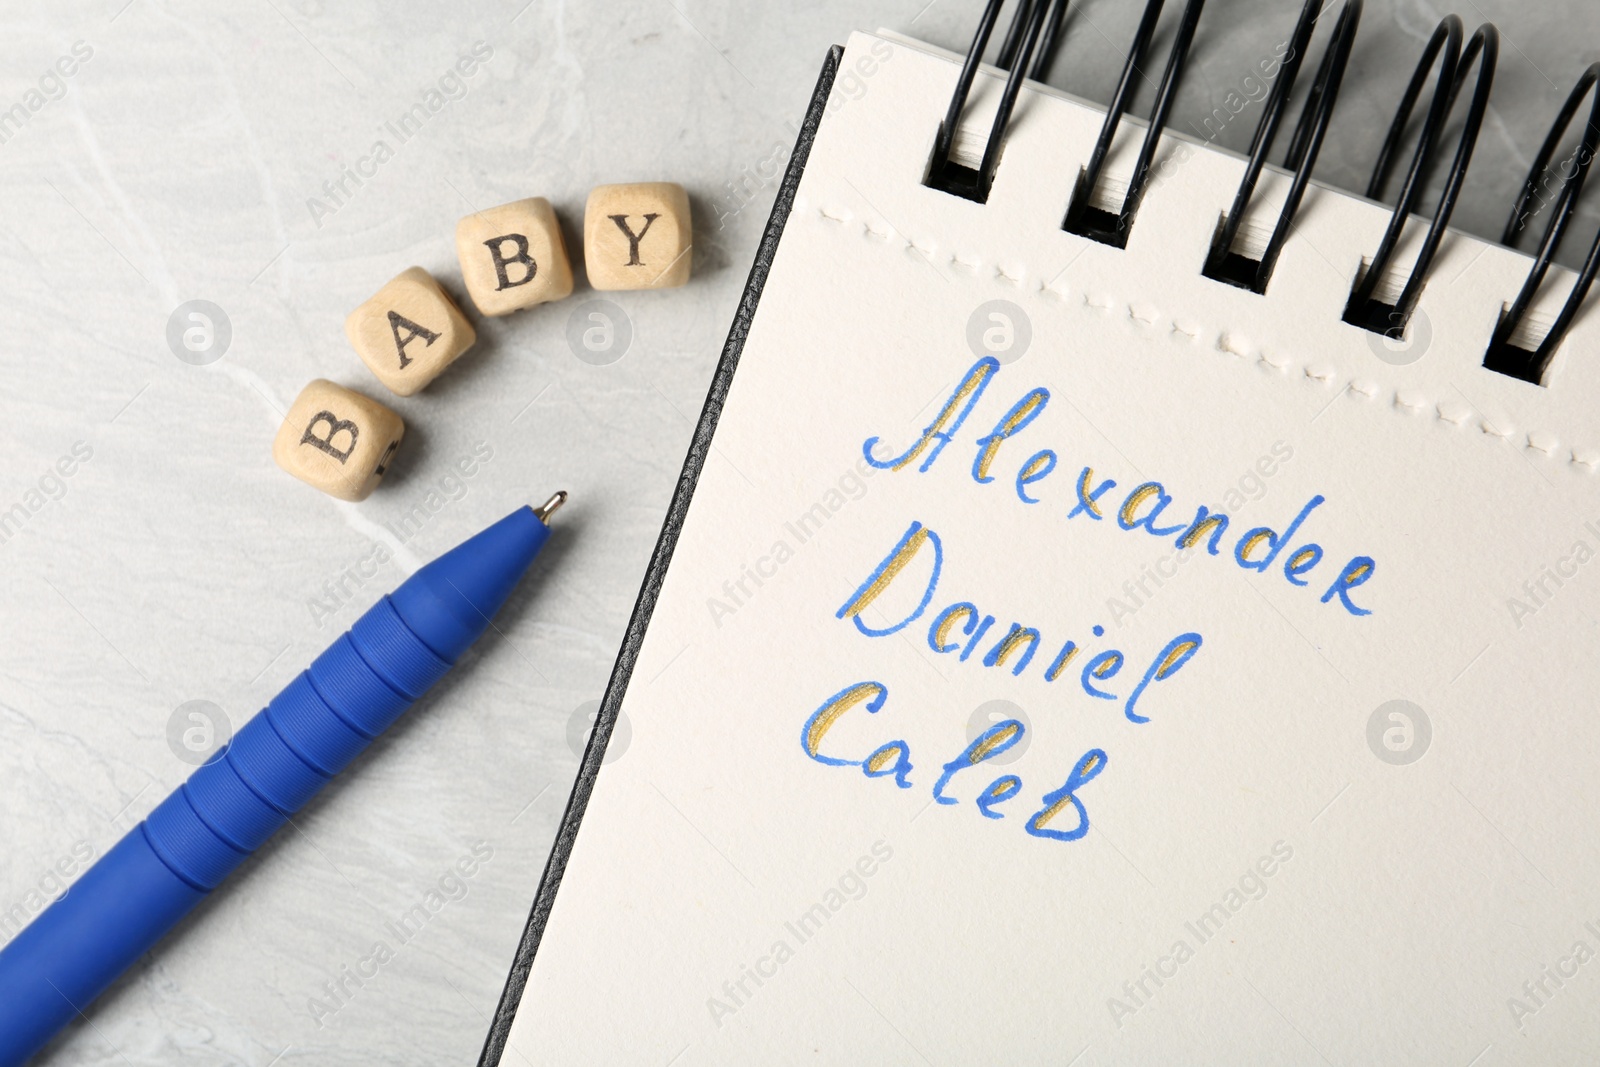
[(1364, 309), (1048, 38), (1226, 265), (1502, 355), (943, 171), (1030, 44), (1104, 226)]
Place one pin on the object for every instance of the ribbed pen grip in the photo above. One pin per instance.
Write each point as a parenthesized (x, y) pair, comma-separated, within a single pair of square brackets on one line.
[(290, 749), (159, 871)]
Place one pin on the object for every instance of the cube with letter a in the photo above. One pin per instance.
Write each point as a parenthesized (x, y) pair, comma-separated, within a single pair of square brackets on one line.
[(637, 236), (338, 440), (409, 332)]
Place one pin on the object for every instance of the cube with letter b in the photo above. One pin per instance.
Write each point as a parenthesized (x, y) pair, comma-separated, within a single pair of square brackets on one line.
[(337, 440), (409, 332), (637, 236), (513, 256)]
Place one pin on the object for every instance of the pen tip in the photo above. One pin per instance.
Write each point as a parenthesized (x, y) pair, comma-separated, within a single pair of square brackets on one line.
[(548, 508)]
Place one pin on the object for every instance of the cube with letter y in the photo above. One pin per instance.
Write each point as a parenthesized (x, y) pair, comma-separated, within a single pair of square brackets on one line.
[(337, 440), (409, 332), (513, 256), (637, 236)]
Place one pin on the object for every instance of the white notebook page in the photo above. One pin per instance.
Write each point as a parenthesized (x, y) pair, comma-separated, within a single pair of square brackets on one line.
[(1337, 806)]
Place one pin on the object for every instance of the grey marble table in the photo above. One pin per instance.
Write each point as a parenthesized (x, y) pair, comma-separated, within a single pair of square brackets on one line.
[(151, 555)]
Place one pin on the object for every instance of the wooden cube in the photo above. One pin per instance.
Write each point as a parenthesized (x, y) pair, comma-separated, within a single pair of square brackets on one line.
[(409, 332), (513, 256), (637, 236), (337, 440)]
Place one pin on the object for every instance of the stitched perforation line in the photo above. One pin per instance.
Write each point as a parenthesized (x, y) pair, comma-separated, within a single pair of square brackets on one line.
[(1462, 416)]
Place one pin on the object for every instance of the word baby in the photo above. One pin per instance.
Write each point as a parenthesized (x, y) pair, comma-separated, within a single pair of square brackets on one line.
[(1143, 506)]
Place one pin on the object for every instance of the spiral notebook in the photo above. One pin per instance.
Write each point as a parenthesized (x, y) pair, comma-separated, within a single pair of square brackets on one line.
[(1057, 654)]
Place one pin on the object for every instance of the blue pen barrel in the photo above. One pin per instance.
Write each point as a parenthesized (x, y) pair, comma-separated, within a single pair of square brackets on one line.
[(277, 762)]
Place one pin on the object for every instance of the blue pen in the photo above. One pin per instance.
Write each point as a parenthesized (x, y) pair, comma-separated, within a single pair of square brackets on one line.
[(277, 762)]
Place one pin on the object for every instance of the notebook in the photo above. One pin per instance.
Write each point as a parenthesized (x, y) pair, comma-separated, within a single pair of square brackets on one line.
[(1054, 654)]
